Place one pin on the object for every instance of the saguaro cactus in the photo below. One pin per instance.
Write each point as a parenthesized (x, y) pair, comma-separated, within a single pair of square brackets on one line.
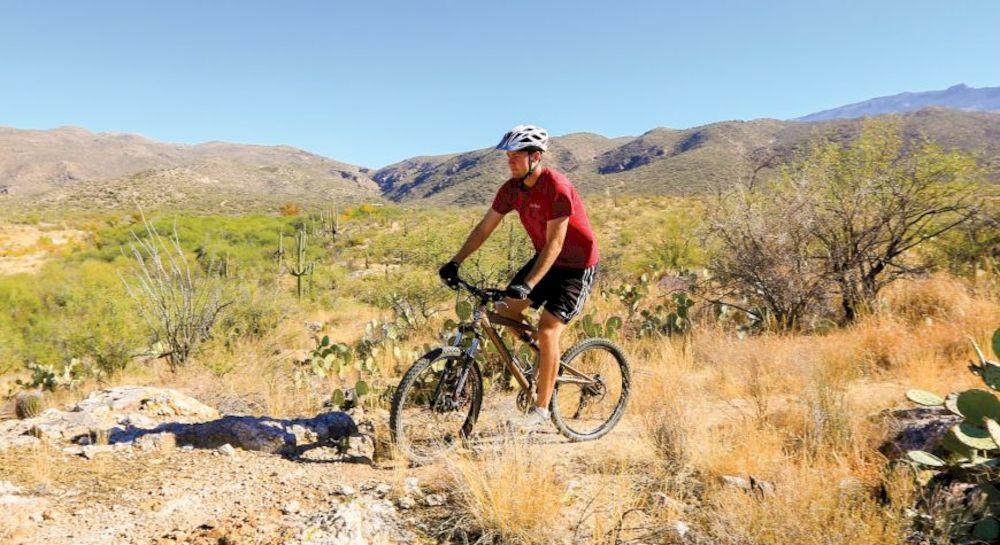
[(279, 254), (301, 268), (330, 222)]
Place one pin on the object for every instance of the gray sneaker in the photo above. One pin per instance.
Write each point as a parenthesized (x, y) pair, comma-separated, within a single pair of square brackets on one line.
[(529, 422)]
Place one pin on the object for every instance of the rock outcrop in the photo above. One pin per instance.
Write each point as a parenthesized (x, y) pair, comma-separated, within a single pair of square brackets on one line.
[(162, 418)]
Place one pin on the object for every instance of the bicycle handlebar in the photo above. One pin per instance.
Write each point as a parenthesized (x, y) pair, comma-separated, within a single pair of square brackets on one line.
[(484, 294)]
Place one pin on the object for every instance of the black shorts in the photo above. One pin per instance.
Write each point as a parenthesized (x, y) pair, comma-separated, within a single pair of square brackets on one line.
[(562, 290)]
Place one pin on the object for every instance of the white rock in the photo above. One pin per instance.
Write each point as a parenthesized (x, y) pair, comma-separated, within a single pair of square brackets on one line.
[(411, 486), (572, 485), (227, 450), (90, 451), (735, 482), (406, 502), (344, 490), (435, 500), (663, 500), (291, 508), (7, 487)]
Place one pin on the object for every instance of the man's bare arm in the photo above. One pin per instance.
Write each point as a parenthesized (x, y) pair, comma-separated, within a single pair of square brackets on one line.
[(555, 235), (479, 235)]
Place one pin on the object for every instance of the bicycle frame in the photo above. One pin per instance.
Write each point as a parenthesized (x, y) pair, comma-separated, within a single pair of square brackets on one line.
[(483, 320)]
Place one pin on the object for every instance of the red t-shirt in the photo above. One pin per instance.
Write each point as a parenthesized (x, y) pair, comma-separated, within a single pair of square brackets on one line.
[(552, 196)]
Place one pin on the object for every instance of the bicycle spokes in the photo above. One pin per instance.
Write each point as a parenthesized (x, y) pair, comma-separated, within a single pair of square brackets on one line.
[(589, 394), (438, 408)]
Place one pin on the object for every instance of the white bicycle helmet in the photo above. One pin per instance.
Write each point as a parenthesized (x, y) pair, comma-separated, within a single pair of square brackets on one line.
[(524, 136)]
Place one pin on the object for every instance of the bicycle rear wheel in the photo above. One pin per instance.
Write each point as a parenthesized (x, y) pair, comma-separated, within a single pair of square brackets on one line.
[(428, 418), (584, 410)]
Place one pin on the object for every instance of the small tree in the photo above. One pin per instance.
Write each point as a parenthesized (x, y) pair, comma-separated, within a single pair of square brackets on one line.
[(844, 221), (179, 303), (876, 200)]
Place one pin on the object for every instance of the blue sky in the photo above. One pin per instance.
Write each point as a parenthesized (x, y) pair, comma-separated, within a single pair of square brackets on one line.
[(373, 82)]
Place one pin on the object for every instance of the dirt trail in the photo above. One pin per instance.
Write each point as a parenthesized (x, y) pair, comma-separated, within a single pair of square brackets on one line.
[(182, 495)]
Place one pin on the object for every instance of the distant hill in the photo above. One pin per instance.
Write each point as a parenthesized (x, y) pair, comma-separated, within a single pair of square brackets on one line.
[(959, 97), (73, 166), (672, 161)]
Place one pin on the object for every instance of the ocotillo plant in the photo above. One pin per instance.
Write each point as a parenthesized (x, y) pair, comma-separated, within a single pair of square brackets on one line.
[(301, 268)]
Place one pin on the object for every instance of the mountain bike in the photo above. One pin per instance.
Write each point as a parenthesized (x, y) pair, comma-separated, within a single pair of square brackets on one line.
[(439, 399)]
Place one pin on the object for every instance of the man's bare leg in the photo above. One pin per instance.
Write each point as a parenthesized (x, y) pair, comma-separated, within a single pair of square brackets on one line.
[(513, 308), (550, 328)]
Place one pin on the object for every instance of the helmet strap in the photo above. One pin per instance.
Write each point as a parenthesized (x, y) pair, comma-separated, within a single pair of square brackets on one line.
[(531, 168)]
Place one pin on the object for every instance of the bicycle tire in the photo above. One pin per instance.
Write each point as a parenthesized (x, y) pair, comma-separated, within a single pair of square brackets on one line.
[(406, 386), (574, 352)]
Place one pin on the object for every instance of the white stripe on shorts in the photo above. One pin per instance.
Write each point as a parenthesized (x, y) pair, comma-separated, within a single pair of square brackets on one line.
[(588, 281)]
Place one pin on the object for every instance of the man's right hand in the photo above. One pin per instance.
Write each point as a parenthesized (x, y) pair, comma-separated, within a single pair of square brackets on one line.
[(449, 274)]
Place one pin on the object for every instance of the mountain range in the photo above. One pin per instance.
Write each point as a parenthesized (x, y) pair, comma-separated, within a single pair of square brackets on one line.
[(675, 161), (958, 97), (75, 168)]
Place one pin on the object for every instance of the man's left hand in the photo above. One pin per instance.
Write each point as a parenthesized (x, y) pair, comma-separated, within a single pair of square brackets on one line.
[(518, 291)]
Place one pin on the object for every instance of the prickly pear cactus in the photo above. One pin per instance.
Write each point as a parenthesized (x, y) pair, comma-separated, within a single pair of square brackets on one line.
[(28, 406), (972, 447)]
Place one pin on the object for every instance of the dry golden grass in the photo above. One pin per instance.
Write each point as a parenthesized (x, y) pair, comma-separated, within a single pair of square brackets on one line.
[(508, 495), (799, 411), (823, 504), (796, 410), (610, 513)]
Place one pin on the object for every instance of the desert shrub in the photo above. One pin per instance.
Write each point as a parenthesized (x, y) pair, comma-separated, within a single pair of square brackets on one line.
[(68, 310), (254, 313), (845, 221), (290, 209), (104, 330)]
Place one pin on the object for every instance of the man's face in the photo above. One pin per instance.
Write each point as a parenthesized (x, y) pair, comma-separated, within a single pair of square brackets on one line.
[(518, 162)]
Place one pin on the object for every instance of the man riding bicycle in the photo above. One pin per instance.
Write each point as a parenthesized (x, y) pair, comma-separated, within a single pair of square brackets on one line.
[(559, 277)]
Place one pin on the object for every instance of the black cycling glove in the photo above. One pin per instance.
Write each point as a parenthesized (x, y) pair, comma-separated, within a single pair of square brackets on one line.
[(517, 291), (449, 274)]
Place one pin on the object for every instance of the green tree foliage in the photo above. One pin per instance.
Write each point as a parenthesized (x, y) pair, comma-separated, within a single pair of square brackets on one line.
[(841, 224)]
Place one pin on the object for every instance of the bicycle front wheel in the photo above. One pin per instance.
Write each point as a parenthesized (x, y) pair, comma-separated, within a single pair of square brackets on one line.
[(430, 413), (588, 403)]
